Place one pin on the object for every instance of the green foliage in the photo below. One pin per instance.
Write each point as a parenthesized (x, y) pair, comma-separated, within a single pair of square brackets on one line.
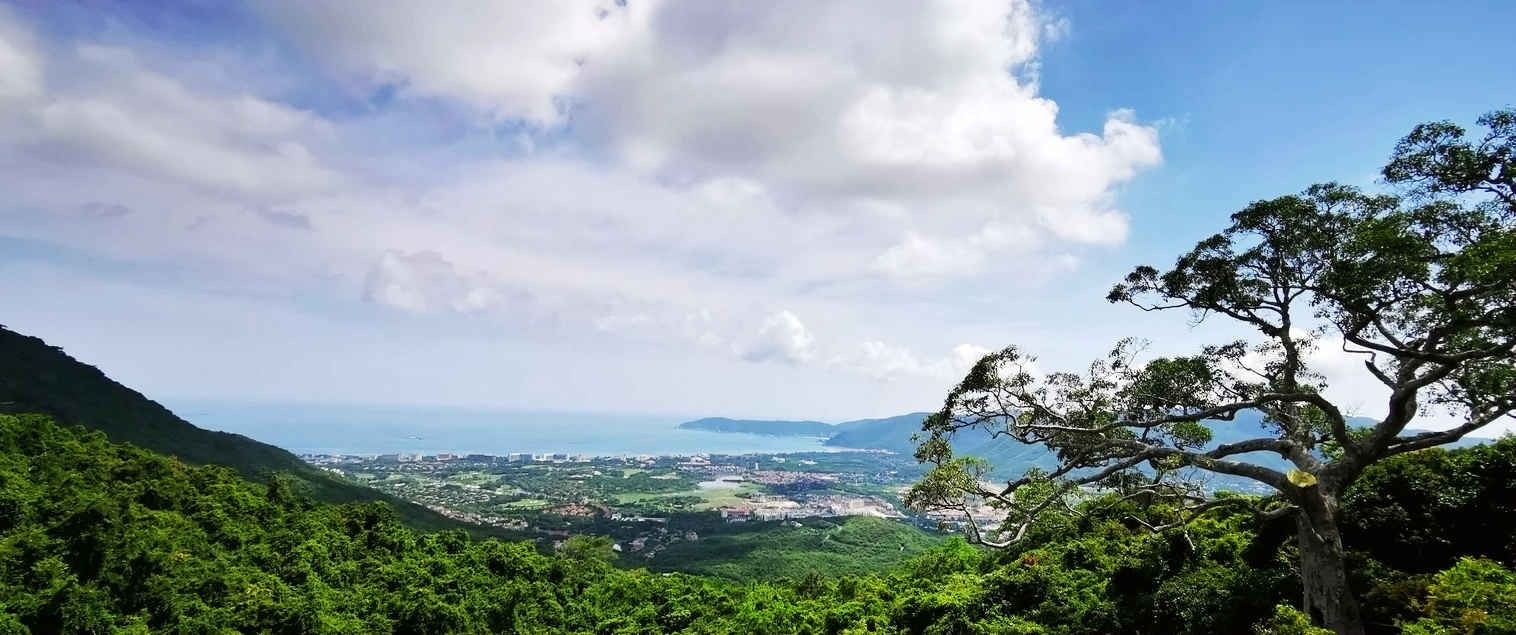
[(1420, 512), (1475, 597), (856, 545), (1437, 159), (1288, 620), (1416, 514), (588, 548), (101, 537)]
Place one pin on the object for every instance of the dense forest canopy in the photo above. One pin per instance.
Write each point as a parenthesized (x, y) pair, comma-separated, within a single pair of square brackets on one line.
[(99, 537)]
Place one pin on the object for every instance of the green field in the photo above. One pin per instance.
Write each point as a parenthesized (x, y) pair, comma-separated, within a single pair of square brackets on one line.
[(714, 498), (835, 546), (474, 478), (710, 498)]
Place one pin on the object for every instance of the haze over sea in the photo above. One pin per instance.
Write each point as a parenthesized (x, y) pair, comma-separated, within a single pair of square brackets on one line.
[(357, 429)]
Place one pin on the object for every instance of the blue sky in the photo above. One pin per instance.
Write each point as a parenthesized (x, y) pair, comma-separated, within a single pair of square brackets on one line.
[(790, 209)]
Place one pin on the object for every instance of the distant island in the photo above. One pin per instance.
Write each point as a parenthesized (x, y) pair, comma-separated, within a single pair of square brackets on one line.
[(765, 428), (890, 433)]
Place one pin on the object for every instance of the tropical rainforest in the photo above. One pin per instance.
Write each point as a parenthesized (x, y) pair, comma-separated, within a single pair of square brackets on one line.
[(99, 537)]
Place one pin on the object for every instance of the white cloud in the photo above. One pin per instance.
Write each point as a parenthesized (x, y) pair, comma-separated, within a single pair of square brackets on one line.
[(423, 282), (838, 160), (917, 256), (102, 106), (964, 356), (881, 361), (20, 63), (783, 338), (1349, 385), (821, 106), (1355, 390), (915, 103), (885, 362), (621, 323), (508, 59)]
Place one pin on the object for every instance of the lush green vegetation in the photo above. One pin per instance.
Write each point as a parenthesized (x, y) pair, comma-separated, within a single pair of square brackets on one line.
[(855, 545), (1421, 513), (573, 482), (36, 377), (102, 537)]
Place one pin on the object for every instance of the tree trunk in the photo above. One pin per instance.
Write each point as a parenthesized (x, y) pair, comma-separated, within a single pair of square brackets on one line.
[(1323, 572)]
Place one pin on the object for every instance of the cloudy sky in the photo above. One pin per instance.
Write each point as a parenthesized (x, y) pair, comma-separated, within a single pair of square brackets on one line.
[(818, 209)]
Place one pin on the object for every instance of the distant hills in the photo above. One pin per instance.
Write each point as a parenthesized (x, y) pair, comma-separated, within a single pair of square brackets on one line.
[(887, 433), (36, 377), (1009, 457)]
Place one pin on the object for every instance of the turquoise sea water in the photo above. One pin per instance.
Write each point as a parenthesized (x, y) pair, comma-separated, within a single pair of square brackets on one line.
[(343, 429)]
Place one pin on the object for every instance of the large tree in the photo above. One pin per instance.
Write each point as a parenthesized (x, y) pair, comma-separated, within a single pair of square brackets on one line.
[(1421, 287)]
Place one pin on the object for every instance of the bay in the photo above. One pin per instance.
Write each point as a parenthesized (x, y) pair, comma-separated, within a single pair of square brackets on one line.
[(365, 429)]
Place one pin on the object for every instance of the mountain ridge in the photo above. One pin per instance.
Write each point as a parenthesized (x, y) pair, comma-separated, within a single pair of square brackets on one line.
[(37, 377)]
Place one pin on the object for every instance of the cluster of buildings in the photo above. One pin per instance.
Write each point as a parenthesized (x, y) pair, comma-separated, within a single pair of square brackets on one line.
[(577, 509), (762, 507), (782, 477), (650, 544), (480, 519), (444, 457), (985, 517), (430, 492), (792, 493), (697, 461)]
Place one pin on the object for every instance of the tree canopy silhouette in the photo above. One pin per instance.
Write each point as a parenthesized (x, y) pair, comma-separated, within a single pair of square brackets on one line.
[(1421, 287)]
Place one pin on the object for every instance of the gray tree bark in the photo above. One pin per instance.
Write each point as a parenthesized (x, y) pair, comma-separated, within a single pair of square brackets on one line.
[(1323, 570)]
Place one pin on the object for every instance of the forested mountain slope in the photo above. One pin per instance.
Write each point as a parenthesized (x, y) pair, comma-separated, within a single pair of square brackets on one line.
[(38, 377)]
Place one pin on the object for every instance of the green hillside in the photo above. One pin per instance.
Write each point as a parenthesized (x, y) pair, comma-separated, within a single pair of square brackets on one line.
[(887, 433), (98, 537), (38, 377)]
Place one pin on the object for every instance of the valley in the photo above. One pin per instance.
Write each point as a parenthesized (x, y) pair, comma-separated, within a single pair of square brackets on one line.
[(672, 512)]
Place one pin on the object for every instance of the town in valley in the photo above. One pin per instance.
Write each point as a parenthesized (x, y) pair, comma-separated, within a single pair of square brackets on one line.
[(646, 503)]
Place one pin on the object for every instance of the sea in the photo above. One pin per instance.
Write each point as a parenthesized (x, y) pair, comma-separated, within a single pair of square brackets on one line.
[(370, 430)]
